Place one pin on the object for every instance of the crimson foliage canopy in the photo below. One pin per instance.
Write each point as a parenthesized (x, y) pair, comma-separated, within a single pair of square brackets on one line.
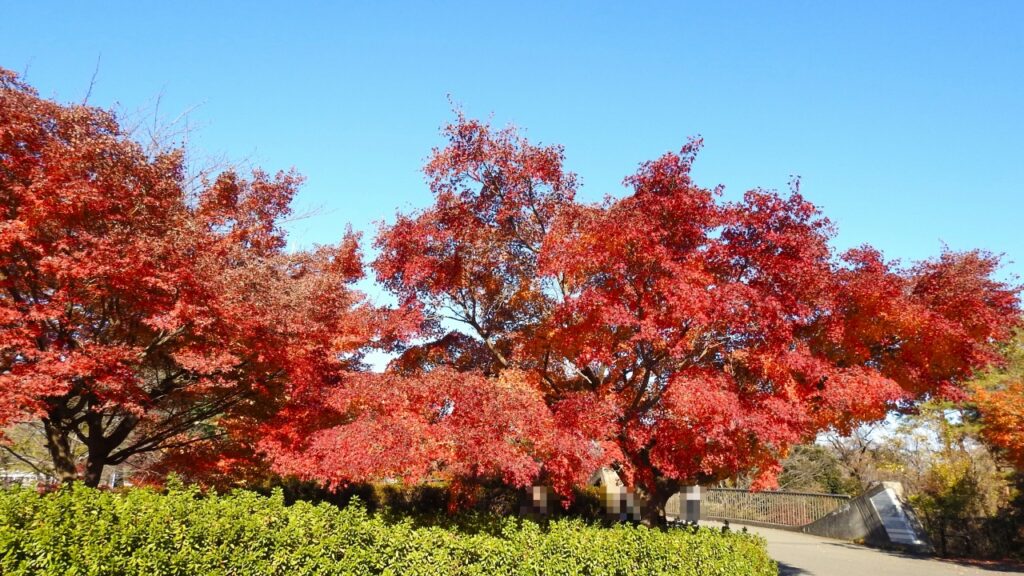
[(669, 333), (144, 314)]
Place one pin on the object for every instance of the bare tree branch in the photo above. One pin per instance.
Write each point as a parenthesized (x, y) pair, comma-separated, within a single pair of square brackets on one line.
[(26, 461), (92, 81)]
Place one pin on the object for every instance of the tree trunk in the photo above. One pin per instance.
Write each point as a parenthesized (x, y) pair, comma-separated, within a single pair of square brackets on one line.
[(100, 445), (652, 510), (60, 451), (93, 471)]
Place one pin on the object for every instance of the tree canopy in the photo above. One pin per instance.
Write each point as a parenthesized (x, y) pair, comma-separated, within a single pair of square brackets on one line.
[(141, 313), (669, 333)]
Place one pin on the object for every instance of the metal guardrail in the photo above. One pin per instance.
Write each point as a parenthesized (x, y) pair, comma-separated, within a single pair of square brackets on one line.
[(27, 479), (778, 508)]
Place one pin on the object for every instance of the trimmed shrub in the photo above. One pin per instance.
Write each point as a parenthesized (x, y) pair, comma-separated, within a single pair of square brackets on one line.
[(79, 530)]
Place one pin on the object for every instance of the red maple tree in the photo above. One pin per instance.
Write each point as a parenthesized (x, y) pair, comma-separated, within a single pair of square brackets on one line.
[(671, 334), (138, 315), (676, 336)]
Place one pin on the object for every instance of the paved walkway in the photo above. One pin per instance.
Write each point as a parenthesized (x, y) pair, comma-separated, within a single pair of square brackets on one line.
[(804, 555)]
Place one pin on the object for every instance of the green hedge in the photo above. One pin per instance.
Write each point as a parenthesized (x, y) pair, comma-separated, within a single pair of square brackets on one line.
[(90, 532)]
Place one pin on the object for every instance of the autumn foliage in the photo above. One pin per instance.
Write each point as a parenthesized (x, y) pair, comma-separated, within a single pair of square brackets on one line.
[(1004, 419), (142, 314), (672, 334), (669, 333), (998, 397)]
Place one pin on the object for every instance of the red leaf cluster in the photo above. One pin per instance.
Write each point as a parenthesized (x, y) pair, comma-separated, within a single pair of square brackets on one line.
[(669, 333), (141, 313), (710, 335)]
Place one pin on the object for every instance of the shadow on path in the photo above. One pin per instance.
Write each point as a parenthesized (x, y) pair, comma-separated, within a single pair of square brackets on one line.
[(787, 570)]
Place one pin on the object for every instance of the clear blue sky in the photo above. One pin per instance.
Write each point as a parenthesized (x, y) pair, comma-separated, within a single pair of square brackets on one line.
[(904, 119)]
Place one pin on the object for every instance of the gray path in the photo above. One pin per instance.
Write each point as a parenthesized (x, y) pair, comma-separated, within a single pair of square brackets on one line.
[(804, 555)]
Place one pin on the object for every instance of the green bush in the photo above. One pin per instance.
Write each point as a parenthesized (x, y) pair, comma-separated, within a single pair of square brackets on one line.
[(82, 531)]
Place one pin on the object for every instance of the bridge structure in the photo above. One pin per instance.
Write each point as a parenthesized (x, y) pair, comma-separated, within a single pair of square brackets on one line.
[(772, 509), (879, 517)]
